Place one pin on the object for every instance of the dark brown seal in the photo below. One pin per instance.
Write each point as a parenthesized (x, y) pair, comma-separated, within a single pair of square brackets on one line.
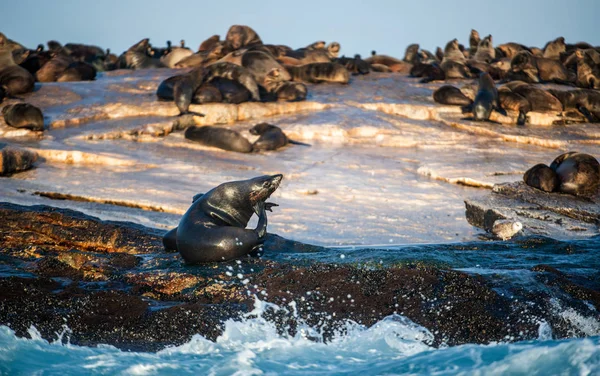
[(218, 137), (23, 115), (214, 227), (579, 174), (319, 72), (542, 177), (451, 95), (13, 78)]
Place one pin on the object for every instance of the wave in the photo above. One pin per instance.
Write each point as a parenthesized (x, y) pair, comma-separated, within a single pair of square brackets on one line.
[(253, 346)]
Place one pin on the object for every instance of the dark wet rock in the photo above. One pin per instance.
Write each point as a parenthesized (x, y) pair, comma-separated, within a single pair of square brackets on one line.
[(557, 215), (14, 159), (112, 282)]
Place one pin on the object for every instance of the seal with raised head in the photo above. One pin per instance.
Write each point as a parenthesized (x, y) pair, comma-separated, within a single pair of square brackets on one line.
[(23, 115), (486, 100), (239, 36), (542, 177), (137, 57), (14, 79), (579, 174), (474, 40), (214, 227), (271, 137), (454, 62), (222, 138)]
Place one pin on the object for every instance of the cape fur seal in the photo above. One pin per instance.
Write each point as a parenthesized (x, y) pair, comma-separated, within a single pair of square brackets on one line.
[(13, 78), (23, 115), (218, 137), (136, 57), (319, 72), (271, 137), (542, 177), (451, 95), (214, 227), (239, 36), (486, 100), (579, 174)]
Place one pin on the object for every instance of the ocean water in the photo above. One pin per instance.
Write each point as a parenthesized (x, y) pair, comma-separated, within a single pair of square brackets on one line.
[(252, 345), (393, 346)]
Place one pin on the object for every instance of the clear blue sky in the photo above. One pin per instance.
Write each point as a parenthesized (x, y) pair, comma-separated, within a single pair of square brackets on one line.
[(360, 26)]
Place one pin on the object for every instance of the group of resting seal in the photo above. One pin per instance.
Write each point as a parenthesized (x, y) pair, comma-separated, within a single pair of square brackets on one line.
[(572, 173)]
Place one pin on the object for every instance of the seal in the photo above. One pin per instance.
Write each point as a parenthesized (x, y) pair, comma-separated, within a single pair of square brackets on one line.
[(271, 137), (174, 56), (50, 71), (23, 115), (275, 88), (231, 91), (209, 43), (78, 71), (218, 137), (235, 73), (239, 36), (532, 69), (555, 48), (486, 100), (474, 40), (214, 227), (185, 87), (354, 65), (542, 177), (454, 62), (579, 174), (259, 64), (485, 51), (136, 57), (588, 70), (451, 95), (540, 100), (13, 78), (319, 72), (586, 101)]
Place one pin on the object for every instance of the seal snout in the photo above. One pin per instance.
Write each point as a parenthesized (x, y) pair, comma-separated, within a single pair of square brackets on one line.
[(276, 180)]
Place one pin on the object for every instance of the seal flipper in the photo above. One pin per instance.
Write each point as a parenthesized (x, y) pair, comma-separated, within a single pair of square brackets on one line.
[(588, 115), (467, 109), (297, 143), (260, 209), (170, 240), (522, 119)]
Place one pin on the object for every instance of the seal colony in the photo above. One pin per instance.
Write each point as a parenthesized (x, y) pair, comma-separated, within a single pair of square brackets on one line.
[(243, 68)]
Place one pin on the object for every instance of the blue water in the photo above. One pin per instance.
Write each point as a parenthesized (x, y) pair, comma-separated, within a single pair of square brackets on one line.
[(395, 345), (251, 346)]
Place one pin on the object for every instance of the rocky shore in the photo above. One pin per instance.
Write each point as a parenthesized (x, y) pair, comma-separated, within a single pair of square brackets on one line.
[(112, 282)]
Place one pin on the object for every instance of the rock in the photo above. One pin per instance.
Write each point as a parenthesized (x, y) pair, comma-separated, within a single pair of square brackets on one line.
[(113, 283), (556, 215), (14, 159)]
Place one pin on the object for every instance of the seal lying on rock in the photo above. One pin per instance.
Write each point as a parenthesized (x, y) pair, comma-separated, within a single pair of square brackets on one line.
[(579, 174), (218, 137), (319, 72), (271, 137), (23, 115), (214, 227), (13, 78), (542, 177)]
